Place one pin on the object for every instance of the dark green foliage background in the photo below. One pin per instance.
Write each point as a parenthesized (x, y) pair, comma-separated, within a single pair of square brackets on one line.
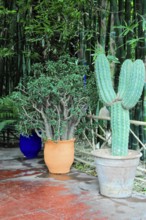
[(34, 31)]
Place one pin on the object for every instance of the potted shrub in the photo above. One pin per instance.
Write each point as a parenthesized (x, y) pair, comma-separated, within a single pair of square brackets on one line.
[(116, 167), (52, 102)]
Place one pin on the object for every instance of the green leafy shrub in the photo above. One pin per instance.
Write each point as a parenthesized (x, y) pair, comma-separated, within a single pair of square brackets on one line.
[(53, 100)]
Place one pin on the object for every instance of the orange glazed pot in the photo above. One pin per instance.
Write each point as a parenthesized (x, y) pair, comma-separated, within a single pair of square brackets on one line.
[(59, 155)]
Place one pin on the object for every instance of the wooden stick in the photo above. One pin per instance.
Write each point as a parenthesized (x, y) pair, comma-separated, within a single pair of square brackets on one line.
[(84, 152), (143, 145), (141, 169), (83, 161), (140, 179), (108, 118)]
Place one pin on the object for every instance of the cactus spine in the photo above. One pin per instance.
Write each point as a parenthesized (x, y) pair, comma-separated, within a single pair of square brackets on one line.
[(131, 84)]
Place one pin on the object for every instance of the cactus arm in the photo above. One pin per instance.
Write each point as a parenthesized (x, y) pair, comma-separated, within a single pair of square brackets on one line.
[(103, 78), (120, 125), (134, 88), (124, 78)]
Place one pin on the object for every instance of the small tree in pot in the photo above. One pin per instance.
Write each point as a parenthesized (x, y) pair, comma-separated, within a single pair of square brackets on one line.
[(52, 102), (120, 164)]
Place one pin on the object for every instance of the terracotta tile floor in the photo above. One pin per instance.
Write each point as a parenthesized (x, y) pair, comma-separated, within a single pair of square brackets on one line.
[(29, 192)]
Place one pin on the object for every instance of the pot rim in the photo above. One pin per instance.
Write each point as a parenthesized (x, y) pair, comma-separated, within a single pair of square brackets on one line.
[(106, 153), (60, 141)]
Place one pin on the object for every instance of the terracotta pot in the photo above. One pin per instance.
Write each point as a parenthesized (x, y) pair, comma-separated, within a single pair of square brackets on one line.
[(116, 174), (59, 156)]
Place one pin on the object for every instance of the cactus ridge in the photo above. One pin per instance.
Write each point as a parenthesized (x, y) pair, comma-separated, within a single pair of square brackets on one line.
[(120, 125), (103, 79), (135, 86), (125, 75)]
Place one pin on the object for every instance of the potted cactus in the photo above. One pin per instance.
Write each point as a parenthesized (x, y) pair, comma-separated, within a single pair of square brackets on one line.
[(116, 167)]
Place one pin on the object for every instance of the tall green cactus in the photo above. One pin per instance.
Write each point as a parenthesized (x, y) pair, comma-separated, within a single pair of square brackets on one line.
[(131, 84)]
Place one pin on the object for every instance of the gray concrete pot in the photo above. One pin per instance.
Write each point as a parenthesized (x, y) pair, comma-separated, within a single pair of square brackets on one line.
[(116, 174)]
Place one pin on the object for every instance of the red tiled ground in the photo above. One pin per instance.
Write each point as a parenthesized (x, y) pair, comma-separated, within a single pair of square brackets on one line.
[(41, 200), (7, 174)]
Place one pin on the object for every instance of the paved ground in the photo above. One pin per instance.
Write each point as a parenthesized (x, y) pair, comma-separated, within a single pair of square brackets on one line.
[(29, 192)]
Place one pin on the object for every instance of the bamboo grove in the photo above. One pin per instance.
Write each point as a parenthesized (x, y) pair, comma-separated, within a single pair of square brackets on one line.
[(36, 30)]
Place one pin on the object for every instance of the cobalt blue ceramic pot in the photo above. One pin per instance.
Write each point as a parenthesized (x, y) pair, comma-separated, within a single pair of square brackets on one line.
[(30, 146)]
